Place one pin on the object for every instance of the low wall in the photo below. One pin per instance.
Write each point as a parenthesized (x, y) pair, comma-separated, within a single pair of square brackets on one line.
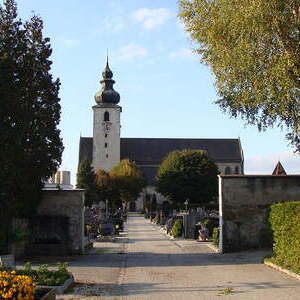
[(68, 203), (243, 207)]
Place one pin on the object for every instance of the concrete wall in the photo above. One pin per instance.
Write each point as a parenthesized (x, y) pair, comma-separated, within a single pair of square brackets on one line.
[(243, 204), (68, 203)]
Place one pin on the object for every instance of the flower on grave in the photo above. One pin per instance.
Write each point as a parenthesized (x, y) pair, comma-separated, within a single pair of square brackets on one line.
[(16, 287)]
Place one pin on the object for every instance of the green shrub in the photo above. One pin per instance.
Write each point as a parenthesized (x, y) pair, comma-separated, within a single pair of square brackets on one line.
[(285, 219), (210, 224), (43, 276), (215, 236), (177, 229)]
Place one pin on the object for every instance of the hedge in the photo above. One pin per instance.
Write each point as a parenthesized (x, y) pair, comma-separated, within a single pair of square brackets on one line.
[(285, 223)]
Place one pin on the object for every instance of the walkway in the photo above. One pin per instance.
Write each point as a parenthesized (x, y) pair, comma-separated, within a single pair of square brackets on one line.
[(154, 267)]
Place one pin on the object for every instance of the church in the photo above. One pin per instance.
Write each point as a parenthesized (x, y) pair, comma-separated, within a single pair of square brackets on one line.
[(106, 148)]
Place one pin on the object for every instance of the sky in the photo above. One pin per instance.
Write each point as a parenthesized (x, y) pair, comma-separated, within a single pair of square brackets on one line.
[(165, 90)]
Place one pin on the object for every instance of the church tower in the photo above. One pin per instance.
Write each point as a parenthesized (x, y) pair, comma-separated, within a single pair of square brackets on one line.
[(106, 130)]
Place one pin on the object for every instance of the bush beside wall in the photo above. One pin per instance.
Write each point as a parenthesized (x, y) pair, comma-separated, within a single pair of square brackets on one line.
[(215, 236), (285, 219), (177, 229)]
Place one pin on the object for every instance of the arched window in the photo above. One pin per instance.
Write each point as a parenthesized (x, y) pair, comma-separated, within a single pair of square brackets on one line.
[(237, 170), (227, 170), (106, 116)]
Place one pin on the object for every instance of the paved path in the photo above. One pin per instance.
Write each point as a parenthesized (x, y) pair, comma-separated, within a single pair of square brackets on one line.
[(156, 268)]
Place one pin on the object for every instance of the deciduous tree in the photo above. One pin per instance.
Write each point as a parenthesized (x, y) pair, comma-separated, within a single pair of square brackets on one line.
[(188, 174), (128, 180), (253, 49), (103, 185)]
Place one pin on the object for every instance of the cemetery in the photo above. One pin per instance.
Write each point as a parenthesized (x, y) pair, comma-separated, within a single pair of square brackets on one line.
[(150, 217)]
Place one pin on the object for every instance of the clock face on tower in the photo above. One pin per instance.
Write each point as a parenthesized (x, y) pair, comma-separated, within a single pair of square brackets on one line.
[(106, 126)]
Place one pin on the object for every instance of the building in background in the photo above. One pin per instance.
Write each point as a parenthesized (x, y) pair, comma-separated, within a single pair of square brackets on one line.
[(59, 180), (279, 169)]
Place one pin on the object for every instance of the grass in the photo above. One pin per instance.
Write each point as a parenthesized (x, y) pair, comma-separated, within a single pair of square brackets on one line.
[(227, 291), (112, 250)]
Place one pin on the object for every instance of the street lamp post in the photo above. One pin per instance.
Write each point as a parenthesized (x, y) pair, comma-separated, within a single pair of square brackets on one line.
[(106, 208), (186, 203)]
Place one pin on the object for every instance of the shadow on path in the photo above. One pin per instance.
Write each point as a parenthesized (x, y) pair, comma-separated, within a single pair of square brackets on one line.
[(149, 259), (142, 288)]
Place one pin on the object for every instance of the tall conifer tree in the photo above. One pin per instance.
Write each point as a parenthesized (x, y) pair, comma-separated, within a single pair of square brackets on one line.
[(86, 179), (30, 143)]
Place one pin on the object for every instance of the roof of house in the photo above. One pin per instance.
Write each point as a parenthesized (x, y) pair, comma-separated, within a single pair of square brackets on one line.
[(279, 169), (148, 153)]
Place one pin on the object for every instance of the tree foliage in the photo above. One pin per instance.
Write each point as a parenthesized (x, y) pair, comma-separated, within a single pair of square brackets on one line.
[(253, 48), (30, 143), (188, 174), (106, 189), (128, 180), (86, 180)]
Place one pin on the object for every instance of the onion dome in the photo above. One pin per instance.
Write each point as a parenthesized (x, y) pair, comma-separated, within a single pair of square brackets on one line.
[(107, 95)]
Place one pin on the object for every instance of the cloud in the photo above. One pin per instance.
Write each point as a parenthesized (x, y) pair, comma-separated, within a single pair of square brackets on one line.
[(180, 25), (113, 24), (266, 164), (69, 43), (151, 18), (182, 53), (130, 52)]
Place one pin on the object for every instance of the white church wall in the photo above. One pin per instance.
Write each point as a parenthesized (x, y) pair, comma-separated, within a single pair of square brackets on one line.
[(59, 180), (106, 137), (150, 189), (232, 167)]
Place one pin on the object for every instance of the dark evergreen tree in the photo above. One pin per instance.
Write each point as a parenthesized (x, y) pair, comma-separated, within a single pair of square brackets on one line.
[(86, 179), (188, 174), (12, 42), (30, 143)]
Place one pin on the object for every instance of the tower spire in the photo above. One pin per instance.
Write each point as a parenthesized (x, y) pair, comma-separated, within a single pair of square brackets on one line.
[(107, 95)]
